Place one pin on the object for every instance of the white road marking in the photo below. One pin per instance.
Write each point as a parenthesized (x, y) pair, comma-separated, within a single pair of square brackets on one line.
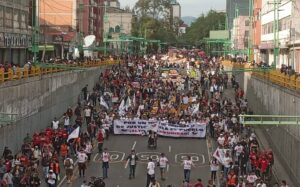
[(195, 157), (133, 146), (126, 165), (170, 149), (168, 167), (94, 159)]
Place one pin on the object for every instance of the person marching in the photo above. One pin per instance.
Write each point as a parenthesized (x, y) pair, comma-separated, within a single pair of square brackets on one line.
[(187, 166), (132, 161), (69, 165), (105, 162), (100, 140), (82, 158), (150, 171), (163, 162)]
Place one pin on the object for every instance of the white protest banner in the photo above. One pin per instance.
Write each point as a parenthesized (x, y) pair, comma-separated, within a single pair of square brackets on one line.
[(134, 127), (219, 154), (190, 130)]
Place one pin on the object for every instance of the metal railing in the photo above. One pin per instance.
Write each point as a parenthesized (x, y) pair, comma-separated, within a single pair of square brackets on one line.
[(23, 73), (6, 118), (269, 120), (274, 75)]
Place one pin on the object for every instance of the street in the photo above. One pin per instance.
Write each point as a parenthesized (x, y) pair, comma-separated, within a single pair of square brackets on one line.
[(175, 149)]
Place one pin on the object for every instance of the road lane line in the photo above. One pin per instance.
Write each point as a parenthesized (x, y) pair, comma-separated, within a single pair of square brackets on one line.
[(126, 165), (169, 149), (168, 167), (133, 146), (95, 157)]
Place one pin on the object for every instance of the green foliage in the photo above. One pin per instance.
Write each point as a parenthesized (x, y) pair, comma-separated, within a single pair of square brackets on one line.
[(152, 20), (201, 27)]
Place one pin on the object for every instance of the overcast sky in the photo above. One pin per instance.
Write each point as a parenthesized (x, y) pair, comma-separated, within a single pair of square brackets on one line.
[(190, 7)]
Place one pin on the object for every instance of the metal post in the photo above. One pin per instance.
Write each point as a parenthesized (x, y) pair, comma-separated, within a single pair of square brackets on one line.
[(104, 33), (35, 30), (250, 30), (275, 30)]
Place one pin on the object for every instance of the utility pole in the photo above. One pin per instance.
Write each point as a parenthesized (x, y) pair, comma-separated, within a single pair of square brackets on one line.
[(250, 31), (276, 4), (35, 30)]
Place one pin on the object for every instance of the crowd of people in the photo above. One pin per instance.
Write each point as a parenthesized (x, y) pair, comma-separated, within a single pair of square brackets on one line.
[(149, 88)]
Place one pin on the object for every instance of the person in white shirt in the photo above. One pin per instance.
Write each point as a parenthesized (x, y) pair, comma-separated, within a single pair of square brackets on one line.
[(150, 171), (82, 158), (55, 124), (105, 163), (88, 150), (251, 178), (51, 179), (227, 163), (163, 162), (187, 166), (66, 121), (69, 166), (87, 114)]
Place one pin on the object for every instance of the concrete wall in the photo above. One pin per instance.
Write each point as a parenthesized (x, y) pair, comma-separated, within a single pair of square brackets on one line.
[(38, 100), (267, 98)]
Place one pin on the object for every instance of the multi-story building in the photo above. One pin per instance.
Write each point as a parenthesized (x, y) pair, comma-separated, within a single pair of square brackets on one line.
[(64, 23), (285, 36), (240, 34), (119, 22), (175, 15), (256, 29), (15, 33), (234, 6)]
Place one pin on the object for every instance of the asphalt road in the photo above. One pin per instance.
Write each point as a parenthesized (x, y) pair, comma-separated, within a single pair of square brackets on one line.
[(120, 146)]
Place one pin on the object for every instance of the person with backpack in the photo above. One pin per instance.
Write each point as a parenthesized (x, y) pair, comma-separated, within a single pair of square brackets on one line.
[(154, 183), (69, 166)]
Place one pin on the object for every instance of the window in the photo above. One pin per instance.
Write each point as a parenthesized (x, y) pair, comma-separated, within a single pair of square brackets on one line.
[(1, 16), (16, 19), (23, 20), (117, 29), (247, 22), (9, 17)]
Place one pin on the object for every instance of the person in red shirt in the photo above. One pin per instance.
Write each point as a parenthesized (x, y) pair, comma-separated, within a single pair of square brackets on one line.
[(100, 140), (199, 183)]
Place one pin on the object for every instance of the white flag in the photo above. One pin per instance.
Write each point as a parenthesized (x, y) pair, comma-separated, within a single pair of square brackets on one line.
[(74, 134), (103, 103), (128, 103), (122, 108), (133, 101), (196, 108)]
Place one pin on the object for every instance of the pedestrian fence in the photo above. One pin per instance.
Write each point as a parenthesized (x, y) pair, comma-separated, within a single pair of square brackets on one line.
[(274, 75), (44, 69)]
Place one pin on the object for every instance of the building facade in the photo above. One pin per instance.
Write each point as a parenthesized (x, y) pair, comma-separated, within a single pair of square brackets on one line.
[(232, 6), (15, 32), (284, 19), (240, 34), (119, 22), (64, 24), (256, 29)]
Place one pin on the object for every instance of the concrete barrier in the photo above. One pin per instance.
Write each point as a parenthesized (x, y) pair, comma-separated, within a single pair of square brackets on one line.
[(37, 100), (265, 97)]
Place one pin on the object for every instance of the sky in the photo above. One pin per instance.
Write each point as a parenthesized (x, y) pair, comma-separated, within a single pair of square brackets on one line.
[(190, 7)]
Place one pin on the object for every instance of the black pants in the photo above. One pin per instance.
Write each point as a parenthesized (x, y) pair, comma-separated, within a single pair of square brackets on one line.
[(149, 179), (213, 175)]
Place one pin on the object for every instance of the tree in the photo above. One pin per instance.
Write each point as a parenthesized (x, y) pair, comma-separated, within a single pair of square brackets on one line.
[(201, 27)]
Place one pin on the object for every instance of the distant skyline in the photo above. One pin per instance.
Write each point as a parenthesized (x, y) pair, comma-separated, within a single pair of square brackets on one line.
[(190, 7)]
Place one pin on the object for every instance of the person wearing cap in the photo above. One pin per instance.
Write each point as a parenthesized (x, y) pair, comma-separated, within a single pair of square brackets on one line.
[(132, 161), (51, 179)]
